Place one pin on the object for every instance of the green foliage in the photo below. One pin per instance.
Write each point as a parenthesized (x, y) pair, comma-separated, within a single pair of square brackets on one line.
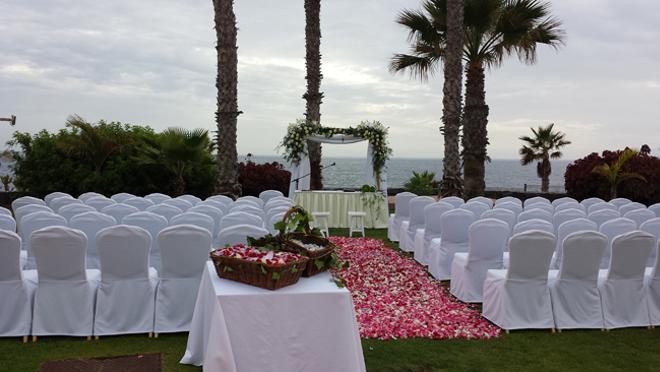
[(421, 183), (614, 173), (107, 158)]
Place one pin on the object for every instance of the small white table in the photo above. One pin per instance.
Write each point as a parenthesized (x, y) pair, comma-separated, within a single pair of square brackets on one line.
[(309, 326)]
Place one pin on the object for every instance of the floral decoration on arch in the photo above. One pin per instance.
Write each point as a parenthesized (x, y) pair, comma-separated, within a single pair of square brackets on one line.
[(373, 131)]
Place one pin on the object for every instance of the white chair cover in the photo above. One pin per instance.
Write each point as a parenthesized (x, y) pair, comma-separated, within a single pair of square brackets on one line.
[(121, 197), (248, 209), (401, 213), (639, 216), (566, 215), (179, 203), (453, 238), (478, 208), (501, 214), (154, 224), (567, 228), (184, 250), (453, 200), (512, 206), (221, 199), (26, 200), (165, 210), (99, 202), (211, 211), (88, 195), (119, 210), (543, 206), (490, 202), (273, 220), (612, 229), (533, 224), (254, 199), (432, 229), (126, 294), (519, 297), (487, 239), (620, 201), (64, 298), (195, 219), (509, 199), (416, 207), (54, 195), (621, 286), (240, 218), (192, 199), (245, 203), (652, 284), (139, 203), (563, 200), (278, 198), (601, 206), (277, 203), (27, 209), (591, 201), (91, 223), (15, 290), (33, 222), (652, 227), (71, 210), (269, 194), (573, 288), (630, 207), (535, 214), (157, 197), (570, 205), (6, 211), (655, 208), (214, 203), (7, 223), (58, 203), (536, 199), (604, 215), (276, 210), (238, 234)]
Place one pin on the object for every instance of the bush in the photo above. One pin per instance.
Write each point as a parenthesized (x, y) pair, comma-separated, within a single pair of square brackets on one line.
[(581, 183), (255, 178), (421, 183)]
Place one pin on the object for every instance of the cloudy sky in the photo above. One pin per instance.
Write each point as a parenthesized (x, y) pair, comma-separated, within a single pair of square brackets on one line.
[(152, 62)]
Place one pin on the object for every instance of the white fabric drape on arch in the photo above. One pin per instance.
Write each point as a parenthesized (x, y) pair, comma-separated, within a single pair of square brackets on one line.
[(303, 168)]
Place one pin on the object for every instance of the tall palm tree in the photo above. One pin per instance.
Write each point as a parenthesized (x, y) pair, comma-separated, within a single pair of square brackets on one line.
[(543, 146), (313, 96), (494, 29), (614, 172), (226, 116)]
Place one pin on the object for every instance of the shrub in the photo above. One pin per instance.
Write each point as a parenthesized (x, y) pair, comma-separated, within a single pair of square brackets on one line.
[(255, 178), (581, 182), (421, 183)]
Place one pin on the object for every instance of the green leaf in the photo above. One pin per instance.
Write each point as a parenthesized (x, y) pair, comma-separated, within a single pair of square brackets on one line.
[(227, 269), (319, 264), (276, 276), (263, 269), (294, 269)]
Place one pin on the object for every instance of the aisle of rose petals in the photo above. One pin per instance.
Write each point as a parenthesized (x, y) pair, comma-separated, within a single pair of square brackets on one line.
[(395, 298)]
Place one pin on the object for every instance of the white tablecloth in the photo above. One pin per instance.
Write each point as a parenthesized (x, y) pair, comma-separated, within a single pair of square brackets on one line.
[(339, 203), (309, 326)]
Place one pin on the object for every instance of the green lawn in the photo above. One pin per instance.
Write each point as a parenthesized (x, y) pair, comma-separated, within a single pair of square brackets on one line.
[(618, 350)]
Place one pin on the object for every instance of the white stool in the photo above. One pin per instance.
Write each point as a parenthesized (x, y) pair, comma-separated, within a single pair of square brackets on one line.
[(356, 222), (320, 220)]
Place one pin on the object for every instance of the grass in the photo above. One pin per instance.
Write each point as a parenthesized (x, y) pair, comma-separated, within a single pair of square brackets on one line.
[(618, 350)]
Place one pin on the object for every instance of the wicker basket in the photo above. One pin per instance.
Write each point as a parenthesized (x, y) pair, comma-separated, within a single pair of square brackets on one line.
[(256, 274)]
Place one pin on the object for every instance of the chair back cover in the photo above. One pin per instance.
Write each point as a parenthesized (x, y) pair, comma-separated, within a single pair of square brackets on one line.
[(91, 223), (563, 200), (165, 210), (248, 209), (7, 223), (238, 234), (139, 203), (26, 200), (157, 197), (273, 212), (270, 225), (533, 224), (582, 253), (58, 203), (214, 203), (612, 229), (244, 203), (476, 207), (639, 215), (123, 252), (630, 207), (119, 210), (260, 203), (59, 252), (509, 199), (221, 199), (269, 194), (6, 211), (453, 200), (652, 227), (35, 221), (455, 225), (620, 201), (154, 224), (512, 206), (29, 208), (487, 239), (277, 203), (490, 202), (630, 252), (570, 205), (601, 206), (530, 255), (195, 219), (567, 215), (99, 202), (432, 215), (402, 204), (569, 227), (211, 211), (538, 214), (71, 210), (536, 199), (10, 256), (501, 214), (88, 195), (416, 208), (121, 197), (240, 218), (54, 195), (655, 208), (184, 250), (179, 203), (543, 206), (192, 199), (603, 215)]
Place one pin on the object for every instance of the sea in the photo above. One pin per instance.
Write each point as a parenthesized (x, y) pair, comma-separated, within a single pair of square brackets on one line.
[(501, 174)]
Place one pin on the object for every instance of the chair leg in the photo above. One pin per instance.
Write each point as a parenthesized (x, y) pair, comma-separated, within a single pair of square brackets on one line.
[(25, 339), (553, 330), (506, 331), (559, 330), (155, 335), (34, 338), (96, 338), (89, 338), (151, 334)]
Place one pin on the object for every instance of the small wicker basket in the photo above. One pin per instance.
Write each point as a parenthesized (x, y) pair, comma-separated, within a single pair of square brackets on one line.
[(319, 260)]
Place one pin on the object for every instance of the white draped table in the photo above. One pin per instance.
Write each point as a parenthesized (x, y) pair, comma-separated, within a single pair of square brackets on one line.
[(309, 326), (339, 203)]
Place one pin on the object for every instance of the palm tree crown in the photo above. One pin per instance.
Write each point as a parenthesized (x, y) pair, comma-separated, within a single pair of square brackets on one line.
[(614, 172), (543, 146)]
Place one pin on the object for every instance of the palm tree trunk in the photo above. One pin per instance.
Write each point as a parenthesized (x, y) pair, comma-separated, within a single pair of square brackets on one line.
[(227, 84), (545, 177), (313, 96), (451, 101), (475, 135)]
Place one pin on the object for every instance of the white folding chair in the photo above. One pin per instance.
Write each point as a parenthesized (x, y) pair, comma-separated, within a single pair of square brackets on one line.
[(211, 211), (612, 229), (501, 214), (238, 234), (121, 197), (88, 195), (533, 224), (157, 197), (432, 229), (33, 222), (221, 199), (453, 238), (401, 213), (27, 209), (570, 205), (217, 204), (16, 290), (566, 215), (620, 201), (7, 223), (192, 199), (652, 284), (535, 200), (184, 251), (64, 298), (488, 201), (478, 208), (58, 203), (416, 207), (567, 228), (630, 207), (640, 216), (487, 239), (604, 215), (6, 211), (139, 203), (26, 200), (453, 200), (518, 297), (655, 208), (54, 195), (652, 227), (621, 287), (273, 211), (260, 203), (272, 204), (154, 224), (126, 294), (119, 210), (91, 223), (591, 201), (543, 206), (601, 206), (563, 200), (574, 287), (195, 219), (179, 203), (535, 214), (71, 210), (165, 210), (240, 218), (269, 194), (509, 199), (248, 209), (273, 220), (245, 203), (512, 206), (99, 202)]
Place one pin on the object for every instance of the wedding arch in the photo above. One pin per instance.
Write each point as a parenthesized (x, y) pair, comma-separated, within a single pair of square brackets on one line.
[(378, 151)]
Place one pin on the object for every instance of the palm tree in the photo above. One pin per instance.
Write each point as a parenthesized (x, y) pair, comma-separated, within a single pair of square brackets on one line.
[(226, 116), (543, 146), (494, 29), (90, 142), (313, 96), (614, 172)]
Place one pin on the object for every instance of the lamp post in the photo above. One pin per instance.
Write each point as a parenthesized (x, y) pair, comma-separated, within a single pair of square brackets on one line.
[(11, 120)]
